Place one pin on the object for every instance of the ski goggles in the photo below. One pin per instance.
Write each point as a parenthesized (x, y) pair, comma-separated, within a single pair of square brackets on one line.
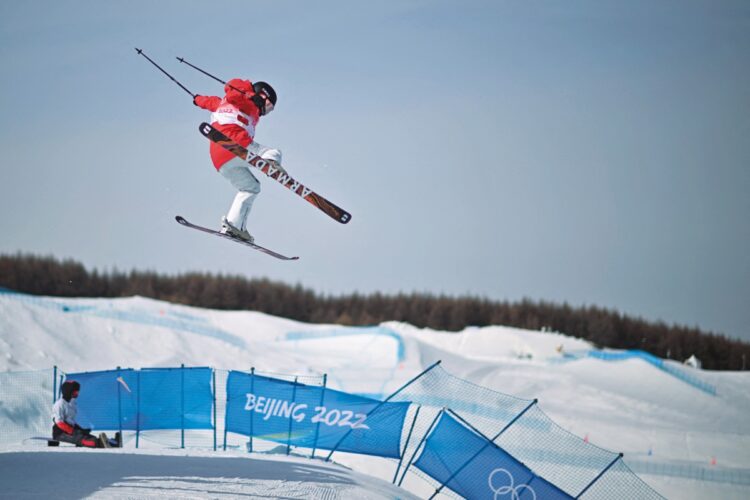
[(267, 103)]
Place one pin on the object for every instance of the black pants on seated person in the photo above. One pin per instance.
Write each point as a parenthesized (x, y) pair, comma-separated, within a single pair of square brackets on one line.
[(80, 437)]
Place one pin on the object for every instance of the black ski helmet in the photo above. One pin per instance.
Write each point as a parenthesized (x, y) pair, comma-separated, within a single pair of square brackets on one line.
[(68, 388), (265, 89)]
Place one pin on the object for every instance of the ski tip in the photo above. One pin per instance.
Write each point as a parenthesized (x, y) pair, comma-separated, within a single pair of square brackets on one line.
[(180, 219)]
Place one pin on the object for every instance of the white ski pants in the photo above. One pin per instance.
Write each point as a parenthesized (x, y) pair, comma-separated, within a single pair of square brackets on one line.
[(238, 173)]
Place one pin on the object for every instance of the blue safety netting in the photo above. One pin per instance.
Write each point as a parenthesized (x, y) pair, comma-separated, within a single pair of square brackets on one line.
[(560, 462)]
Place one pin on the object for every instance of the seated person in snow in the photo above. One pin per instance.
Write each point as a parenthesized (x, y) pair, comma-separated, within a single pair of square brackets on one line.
[(65, 428)]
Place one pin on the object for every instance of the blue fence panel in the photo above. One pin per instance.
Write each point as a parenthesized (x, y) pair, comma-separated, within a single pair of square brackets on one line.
[(371, 431), (108, 399), (175, 398), (476, 468), (148, 399), (285, 412), (262, 410)]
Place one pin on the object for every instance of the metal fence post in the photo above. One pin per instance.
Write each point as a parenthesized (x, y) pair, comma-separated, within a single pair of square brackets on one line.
[(406, 444), (424, 438), (138, 411), (54, 385), (252, 413), (291, 420), (182, 405), (619, 456), (119, 403), (317, 426), (226, 397), (213, 391)]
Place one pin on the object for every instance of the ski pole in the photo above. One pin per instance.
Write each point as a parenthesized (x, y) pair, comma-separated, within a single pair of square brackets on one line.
[(182, 60), (140, 52)]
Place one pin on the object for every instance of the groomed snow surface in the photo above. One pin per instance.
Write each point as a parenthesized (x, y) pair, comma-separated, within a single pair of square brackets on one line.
[(683, 442), (71, 473)]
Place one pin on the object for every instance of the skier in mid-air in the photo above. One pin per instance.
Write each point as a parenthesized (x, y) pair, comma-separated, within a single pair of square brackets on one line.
[(236, 115)]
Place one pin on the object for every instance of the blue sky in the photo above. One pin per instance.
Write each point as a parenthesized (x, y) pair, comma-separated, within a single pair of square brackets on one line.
[(591, 152)]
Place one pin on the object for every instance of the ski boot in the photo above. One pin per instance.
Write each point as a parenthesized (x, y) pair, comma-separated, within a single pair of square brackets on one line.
[(231, 230), (104, 441)]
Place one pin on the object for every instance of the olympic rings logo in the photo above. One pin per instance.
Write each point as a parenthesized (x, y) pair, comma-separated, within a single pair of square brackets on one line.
[(515, 491)]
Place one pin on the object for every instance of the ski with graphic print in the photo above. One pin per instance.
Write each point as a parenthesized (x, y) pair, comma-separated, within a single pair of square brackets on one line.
[(272, 170)]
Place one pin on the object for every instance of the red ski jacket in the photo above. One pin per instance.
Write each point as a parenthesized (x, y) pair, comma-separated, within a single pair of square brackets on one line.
[(236, 115)]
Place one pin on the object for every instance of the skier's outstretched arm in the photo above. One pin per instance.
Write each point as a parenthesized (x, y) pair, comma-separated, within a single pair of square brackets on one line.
[(207, 102)]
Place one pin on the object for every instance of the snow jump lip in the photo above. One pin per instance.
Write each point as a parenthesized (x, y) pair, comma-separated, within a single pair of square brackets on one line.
[(659, 363)]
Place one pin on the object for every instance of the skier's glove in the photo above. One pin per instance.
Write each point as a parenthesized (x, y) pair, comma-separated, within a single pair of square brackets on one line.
[(195, 98)]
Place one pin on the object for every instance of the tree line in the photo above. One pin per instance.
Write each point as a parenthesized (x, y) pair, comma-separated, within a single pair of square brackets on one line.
[(605, 328)]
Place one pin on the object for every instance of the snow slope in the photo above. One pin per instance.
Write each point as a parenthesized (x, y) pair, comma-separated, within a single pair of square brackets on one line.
[(682, 441), (179, 474)]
